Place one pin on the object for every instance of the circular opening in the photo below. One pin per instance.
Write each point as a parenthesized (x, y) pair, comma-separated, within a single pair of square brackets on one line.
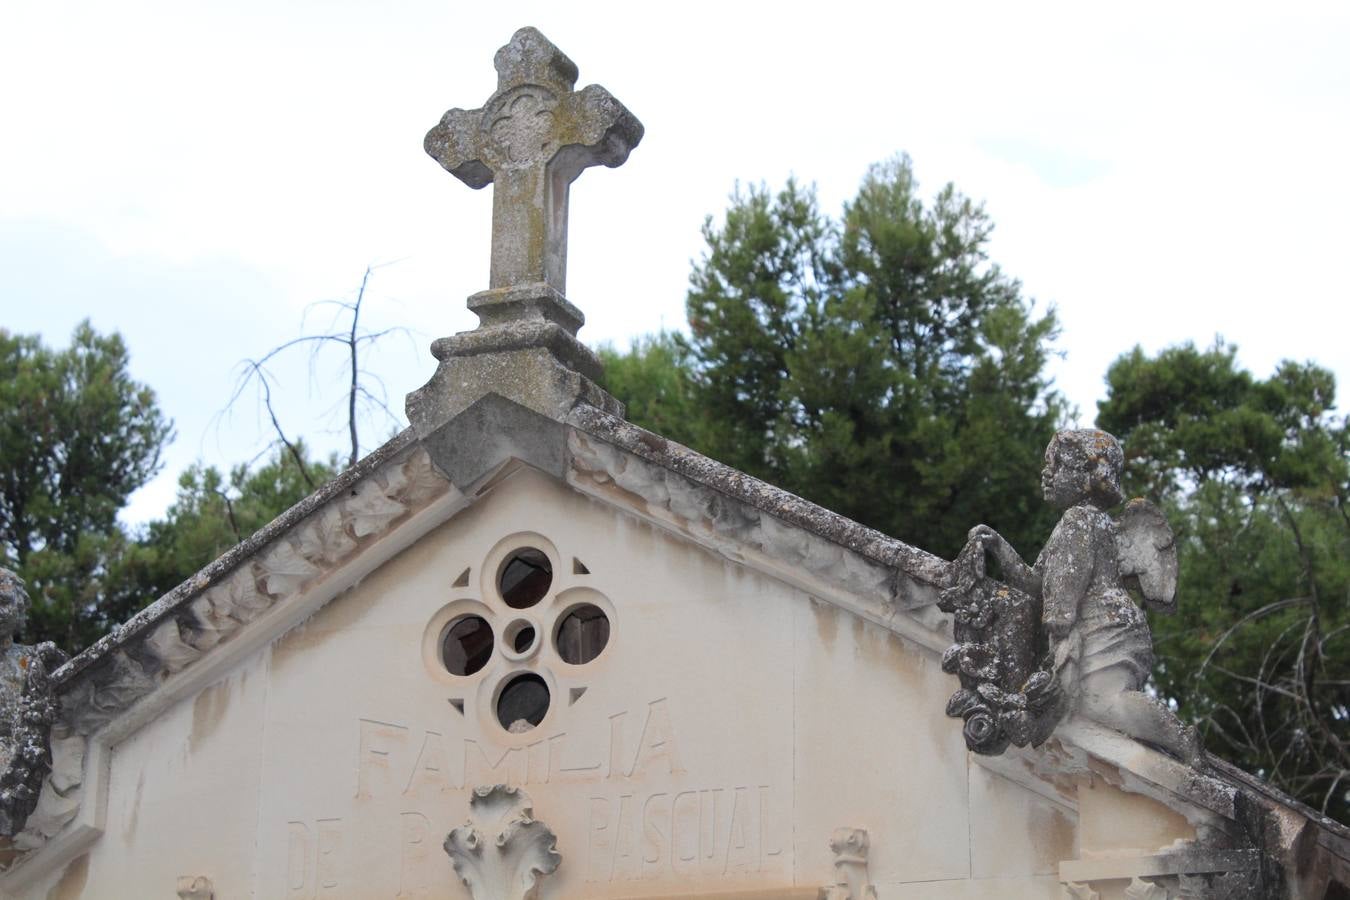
[(522, 703), (522, 639), (525, 578), (582, 634), (519, 636), (467, 645)]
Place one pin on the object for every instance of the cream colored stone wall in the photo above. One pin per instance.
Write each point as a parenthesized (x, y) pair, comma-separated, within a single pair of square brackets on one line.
[(729, 726)]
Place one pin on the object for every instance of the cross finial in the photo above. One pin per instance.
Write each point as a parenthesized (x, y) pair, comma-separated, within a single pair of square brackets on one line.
[(531, 140)]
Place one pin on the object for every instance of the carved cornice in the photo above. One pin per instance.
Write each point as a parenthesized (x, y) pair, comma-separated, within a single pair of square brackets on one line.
[(300, 548)]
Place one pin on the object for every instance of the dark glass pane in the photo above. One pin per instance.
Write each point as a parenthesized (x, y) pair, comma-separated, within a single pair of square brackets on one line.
[(525, 578), (467, 646), (522, 703), (522, 639), (582, 634)]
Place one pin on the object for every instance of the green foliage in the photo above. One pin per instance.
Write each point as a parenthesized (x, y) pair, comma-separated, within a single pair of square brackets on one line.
[(1256, 477), (879, 365), (655, 379), (210, 515), (79, 435)]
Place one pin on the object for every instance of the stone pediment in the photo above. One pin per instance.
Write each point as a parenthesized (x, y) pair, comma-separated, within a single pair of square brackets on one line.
[(306, 562), (258, 598), (527, 649)]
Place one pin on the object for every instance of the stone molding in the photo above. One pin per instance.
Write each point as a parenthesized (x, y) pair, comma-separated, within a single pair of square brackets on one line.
[(502, 851), (174, 636), (877, 578), (734, 508), (1194, 873), (299, 549)]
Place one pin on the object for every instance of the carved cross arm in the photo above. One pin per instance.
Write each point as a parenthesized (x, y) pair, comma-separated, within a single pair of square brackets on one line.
[(454, 143)]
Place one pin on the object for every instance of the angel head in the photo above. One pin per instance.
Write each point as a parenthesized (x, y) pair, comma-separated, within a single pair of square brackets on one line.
[(13, 605), (1083, 465)]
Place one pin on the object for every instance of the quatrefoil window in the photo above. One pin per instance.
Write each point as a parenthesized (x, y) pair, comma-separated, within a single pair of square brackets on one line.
[(523, 640)]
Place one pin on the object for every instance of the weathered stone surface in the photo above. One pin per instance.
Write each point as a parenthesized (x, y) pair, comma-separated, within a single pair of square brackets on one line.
[(1064, 635), (28, 707), (527, 369), (532, 139), (741, 515), (492, 431), (301, 546)]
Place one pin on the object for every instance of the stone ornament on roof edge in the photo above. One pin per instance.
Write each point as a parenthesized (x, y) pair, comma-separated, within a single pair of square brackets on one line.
[(1064, 635), (28, 709)]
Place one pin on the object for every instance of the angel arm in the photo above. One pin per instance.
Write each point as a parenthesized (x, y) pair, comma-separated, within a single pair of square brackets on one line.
[(1014, 570)]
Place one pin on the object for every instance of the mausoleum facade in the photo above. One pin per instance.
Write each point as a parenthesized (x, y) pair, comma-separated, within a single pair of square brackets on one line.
[(528, 649)]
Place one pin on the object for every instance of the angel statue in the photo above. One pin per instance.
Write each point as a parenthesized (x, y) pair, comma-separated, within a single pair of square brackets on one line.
[(28, 708), (1064, 635)]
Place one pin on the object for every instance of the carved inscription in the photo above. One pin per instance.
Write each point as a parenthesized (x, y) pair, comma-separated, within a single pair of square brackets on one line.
[(715, 832), (634, 810), (417, 843), (397, 759), (313, 858)]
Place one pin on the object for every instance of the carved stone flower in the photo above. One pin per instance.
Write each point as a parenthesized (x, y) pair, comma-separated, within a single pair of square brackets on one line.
[(502, 851), (982, 732)]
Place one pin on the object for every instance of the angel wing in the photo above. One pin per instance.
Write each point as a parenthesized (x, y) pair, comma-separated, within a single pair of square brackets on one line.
[(1148, 552)]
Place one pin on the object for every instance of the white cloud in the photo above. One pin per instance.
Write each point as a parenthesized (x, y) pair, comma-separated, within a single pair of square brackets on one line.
[(1160, 173)]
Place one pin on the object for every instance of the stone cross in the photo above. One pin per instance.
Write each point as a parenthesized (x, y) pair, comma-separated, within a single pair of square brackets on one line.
[(531, 140)]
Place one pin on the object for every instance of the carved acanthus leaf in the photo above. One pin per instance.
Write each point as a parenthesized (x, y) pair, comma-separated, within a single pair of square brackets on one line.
[(1075, 891), (167, 644), (240, 596), (124, 683), (323, 537), (369, 511), (285, 570), (417, 480), (210, 623), (502, 851)]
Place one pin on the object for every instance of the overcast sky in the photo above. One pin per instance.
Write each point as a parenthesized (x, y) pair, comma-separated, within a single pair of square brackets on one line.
[(197, 175)]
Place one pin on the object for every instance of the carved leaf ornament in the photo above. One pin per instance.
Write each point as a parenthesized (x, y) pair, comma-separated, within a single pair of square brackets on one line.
[(502, 851)]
